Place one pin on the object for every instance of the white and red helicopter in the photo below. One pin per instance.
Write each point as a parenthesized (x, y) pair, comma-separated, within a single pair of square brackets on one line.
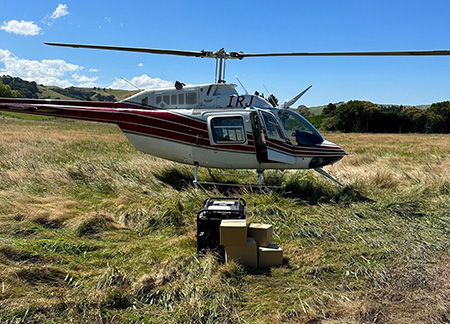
[(208, 125)]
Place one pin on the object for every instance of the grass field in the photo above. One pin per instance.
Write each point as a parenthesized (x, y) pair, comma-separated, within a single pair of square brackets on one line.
[(92, 231)]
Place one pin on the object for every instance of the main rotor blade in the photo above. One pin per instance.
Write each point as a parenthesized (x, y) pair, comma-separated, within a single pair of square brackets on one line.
[(135, 49), (400, 53), (222, 54)]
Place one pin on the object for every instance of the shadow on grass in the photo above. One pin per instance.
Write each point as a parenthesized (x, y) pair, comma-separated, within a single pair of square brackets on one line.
[(48, 223), (180, 178), (14, 254), (95, 224), (267, 272), (42, 275), (177, 178), (231, 189), (299, 186), (303, 187)]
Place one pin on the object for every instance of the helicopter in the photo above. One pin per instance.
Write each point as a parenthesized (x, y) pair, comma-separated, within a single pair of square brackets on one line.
[(209, 125)]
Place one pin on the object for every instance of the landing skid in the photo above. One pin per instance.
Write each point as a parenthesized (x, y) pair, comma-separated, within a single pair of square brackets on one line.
[(220, 186), (251, 186), (227, 187)]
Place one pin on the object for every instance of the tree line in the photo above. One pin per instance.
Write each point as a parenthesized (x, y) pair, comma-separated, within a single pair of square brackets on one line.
[(353, 116), (367, 117), (26, 89), (6, 92)]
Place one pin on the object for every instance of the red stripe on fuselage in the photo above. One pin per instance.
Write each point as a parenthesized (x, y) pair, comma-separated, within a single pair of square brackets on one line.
[(153, 122)]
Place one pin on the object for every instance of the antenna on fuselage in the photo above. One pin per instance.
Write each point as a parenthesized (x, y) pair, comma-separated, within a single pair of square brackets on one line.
[(237, 78), (129, 82), (268, 92)]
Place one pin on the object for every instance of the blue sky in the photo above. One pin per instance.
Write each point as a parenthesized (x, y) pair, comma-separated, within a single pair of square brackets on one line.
[(248, 26)]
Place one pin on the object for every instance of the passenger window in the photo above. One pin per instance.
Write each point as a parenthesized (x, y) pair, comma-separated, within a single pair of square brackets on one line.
[(181, 98), (273, 131), (158, 100), (173, 99), (166, 99), (145, 101), (228, 130), (191, 98)]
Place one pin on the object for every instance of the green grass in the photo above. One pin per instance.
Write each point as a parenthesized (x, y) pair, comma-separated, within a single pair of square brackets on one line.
[(93, 231)]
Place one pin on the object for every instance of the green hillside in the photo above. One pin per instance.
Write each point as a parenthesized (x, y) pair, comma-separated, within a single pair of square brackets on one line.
[(75, 93), (316, 110), (29, 89)]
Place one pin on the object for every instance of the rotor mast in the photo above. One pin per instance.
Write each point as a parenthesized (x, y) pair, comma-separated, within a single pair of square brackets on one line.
[(221, 70), (221, 62)]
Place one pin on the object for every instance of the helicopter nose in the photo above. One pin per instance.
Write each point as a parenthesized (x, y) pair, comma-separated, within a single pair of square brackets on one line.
[(330, 154), (330, 145)]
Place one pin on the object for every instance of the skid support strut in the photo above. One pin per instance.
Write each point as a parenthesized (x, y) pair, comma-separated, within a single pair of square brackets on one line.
[(260, 173), (196, 166)]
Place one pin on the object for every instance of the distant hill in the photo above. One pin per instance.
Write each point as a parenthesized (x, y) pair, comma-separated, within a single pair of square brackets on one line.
[(423, 107), (31, 89), (317, 110)]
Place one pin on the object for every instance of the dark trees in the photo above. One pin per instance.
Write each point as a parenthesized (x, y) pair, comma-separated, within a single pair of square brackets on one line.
[(6, 92)]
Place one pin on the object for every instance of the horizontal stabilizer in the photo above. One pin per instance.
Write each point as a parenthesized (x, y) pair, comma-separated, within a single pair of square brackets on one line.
[(289, 103)]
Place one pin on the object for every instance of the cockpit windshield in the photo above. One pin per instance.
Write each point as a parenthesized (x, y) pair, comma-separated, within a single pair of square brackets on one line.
[(299, 130)]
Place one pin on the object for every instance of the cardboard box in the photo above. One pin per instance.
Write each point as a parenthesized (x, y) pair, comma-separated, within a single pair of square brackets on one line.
[(270, 256), (233, 232), (262, 233), (246, 255)]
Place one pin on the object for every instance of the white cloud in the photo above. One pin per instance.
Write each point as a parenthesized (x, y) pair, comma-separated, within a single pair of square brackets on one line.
[(63, 74), (60, 11), (83, 78), (87, 85), (142, 82), (140, 65), (93, 70), (47, 72), (22, 27)]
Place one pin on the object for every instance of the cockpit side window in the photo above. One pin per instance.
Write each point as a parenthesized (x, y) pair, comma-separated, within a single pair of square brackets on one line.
[(299, 130), (272, 128)]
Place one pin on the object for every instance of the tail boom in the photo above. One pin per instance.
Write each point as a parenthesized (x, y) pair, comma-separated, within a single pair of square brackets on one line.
[(100, 111)]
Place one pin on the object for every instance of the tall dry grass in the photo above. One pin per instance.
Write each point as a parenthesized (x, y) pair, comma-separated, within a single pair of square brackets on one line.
[(93, 231)]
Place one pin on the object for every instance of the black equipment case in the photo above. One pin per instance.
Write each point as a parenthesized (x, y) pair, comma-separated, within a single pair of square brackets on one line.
[(208, 223)]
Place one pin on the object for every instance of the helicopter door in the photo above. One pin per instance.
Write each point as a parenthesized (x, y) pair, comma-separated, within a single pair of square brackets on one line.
[(258, 138), (269, 139)]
